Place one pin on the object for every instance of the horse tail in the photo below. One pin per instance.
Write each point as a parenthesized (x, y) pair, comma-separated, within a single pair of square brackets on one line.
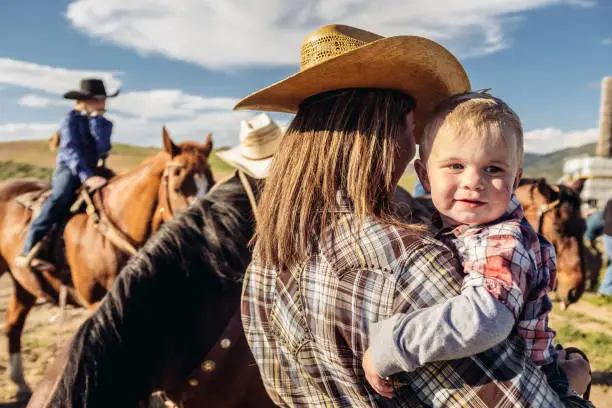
[(9, 190), (3, 266)]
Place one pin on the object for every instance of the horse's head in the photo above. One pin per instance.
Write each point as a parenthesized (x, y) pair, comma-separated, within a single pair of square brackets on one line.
[(554, 211), (187, 174)]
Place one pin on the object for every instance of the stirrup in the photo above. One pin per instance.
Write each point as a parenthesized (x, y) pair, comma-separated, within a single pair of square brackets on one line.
[(42, 265), (22, 261)]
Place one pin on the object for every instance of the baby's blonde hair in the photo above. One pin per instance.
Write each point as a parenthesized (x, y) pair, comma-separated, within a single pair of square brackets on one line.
[(469, 112)]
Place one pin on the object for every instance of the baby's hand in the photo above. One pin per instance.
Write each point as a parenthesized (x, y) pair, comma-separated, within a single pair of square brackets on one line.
[(380, 385), (576, 369)]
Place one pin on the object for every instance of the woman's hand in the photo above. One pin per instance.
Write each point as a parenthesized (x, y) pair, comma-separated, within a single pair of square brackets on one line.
[(380, 385), (576, 369)]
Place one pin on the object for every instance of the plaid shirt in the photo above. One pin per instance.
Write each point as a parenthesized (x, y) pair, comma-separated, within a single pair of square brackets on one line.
[(308, 326), (518, 267)]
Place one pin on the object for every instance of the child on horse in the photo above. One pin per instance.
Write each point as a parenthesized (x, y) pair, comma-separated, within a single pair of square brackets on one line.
[(85, 137)]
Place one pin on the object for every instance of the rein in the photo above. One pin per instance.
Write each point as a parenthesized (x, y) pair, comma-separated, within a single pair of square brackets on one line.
[(543, 209), (95, 210), (230, 338), (165, 208)]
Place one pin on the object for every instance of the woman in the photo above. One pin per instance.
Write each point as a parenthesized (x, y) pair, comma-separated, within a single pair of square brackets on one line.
[(330, 259)]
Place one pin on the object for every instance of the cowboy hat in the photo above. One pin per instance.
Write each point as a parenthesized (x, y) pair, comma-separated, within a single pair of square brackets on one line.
[(91, 88), (337, 57), (259, 139)]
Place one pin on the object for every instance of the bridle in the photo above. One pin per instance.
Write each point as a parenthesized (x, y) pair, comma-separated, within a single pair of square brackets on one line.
[(543, 209), (165, 209)]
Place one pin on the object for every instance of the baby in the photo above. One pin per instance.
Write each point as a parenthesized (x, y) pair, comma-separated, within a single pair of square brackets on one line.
[(470, 161)]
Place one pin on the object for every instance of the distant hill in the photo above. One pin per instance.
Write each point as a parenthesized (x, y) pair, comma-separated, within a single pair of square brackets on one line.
[(122, 158), (33, 159), (551, 165)]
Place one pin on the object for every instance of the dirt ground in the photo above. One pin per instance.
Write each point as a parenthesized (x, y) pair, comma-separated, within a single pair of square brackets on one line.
[(38, 341), (41, 333)]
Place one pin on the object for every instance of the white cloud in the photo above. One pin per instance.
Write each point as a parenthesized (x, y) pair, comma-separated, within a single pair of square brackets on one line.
[(231, 33), (157, 103), (606, 41), (143, 131), (23, 131), (49, 79), (37, 101), (550, 139), (161, 103), (582, 3)]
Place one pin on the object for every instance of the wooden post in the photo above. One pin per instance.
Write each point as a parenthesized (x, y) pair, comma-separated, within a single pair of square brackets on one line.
[(604, 144)]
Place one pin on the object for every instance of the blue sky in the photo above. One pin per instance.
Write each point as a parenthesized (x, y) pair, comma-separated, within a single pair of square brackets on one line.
[(184, 63)]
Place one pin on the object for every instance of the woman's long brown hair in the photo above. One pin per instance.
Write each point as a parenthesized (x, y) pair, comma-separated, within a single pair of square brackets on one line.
[(340, 142)]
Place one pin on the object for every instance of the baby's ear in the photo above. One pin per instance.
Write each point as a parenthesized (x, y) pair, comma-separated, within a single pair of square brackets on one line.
[(519, 176), (421, 170)]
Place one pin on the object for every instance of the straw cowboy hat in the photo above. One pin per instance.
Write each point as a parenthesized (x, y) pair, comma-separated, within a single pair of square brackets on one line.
[(91, 88), (338, 56), (259, 139)]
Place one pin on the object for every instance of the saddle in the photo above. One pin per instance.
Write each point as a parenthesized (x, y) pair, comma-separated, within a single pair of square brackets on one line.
[(34, 200), (51, 248)]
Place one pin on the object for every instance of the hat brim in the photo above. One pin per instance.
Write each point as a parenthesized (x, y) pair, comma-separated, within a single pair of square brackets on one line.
[(255, 168), (415, 65), (80, 95)]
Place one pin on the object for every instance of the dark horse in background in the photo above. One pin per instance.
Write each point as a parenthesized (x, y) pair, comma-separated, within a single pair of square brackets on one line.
[(168, 309), (553, 210)]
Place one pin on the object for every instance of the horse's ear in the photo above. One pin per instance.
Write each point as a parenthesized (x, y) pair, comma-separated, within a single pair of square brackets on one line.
[(208, 145), (546, 190), (576, 185), (169, 146)]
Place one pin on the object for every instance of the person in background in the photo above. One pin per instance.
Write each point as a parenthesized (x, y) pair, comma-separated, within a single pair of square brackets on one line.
[(594, 225), (605, 287), (419, 190), (85, 137)]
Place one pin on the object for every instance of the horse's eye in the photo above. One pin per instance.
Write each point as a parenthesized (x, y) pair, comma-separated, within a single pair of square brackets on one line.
[(177, 172)]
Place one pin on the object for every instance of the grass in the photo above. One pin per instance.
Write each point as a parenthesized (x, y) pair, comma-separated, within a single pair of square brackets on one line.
[(598, 300), (12, 170), (596, 345), (33, 159), (407, 182), (571, 315)]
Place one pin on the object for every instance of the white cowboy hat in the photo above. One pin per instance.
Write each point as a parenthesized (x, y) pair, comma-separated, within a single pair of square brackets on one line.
[(337, 56), (259, 139)]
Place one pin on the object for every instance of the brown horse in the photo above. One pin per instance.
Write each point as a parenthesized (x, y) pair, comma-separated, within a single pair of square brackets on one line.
[(554, 211), (133, 206)]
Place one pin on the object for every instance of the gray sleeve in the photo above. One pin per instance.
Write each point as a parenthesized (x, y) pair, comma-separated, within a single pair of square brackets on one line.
[(462, 326)]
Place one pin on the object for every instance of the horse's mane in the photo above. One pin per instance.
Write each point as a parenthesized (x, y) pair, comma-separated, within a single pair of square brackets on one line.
[(196, 257), (561, 192), (118, 177)]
